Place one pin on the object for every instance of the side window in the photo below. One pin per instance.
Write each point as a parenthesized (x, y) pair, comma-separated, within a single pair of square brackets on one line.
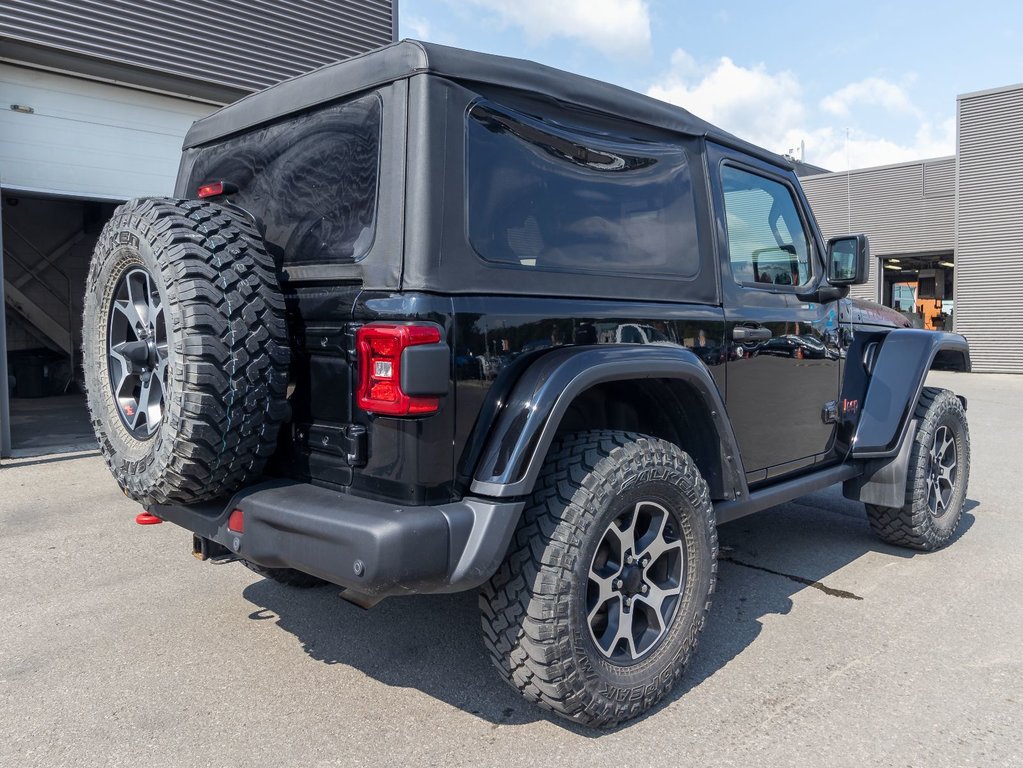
[(766, 239), (545, 195)]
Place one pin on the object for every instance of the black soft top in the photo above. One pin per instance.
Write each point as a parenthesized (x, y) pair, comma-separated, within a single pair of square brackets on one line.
[(411, 57)]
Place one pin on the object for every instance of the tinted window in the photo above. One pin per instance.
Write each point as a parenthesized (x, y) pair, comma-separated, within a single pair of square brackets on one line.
[(545, 196), (310, 180), (766, 239)]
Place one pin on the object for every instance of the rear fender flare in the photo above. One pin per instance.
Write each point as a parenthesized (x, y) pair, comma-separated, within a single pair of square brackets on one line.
[(525, 427)]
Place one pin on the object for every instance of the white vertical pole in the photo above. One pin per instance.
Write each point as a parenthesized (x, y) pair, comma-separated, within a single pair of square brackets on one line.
[(5, 405)]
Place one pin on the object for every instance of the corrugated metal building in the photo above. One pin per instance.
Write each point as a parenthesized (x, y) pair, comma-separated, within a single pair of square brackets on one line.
[(95, 98), (989, 227), (957, 221)]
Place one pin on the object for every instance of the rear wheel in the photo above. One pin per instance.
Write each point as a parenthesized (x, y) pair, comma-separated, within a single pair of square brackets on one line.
[(607, 584), (939, 472)]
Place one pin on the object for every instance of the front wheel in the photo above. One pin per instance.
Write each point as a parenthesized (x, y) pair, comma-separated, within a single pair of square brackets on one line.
[(939, 472), (608, 582)]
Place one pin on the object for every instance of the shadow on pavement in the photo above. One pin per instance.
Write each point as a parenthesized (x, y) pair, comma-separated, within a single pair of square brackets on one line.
[(432, 642)]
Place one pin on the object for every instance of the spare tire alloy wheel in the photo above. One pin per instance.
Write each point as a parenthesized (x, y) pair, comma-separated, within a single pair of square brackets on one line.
[(137, 352), (184, 349)]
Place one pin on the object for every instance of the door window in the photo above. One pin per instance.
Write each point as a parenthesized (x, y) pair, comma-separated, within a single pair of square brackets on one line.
[(767, 244)]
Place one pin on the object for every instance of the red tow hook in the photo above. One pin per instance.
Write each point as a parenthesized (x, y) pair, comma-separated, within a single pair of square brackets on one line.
[(147, 518)]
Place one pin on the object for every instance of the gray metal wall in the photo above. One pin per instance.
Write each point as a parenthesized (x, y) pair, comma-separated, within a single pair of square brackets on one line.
[(236, 45), (904, 209), (989, 239)]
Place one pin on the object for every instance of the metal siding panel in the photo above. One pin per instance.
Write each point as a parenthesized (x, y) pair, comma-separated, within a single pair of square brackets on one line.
[(989, 240), (890, 206), (90, 139), (246, 45)]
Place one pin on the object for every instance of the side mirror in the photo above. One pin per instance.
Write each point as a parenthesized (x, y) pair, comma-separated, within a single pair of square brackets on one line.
[(848, 260)]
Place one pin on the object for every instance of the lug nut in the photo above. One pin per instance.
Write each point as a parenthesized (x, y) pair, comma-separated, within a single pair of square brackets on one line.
[(628, 602), (629, 559), (618, 583), (645, 589), (646, 562)]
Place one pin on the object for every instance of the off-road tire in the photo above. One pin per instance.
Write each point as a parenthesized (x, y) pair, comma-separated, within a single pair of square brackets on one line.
[(913, 525), (289, 577), (227, 350), (534, 608)]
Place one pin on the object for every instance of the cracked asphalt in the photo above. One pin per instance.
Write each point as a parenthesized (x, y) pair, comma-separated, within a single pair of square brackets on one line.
[(825, 647)]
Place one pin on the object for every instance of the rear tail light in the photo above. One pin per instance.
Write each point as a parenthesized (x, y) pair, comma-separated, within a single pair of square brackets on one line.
[(380, 346)]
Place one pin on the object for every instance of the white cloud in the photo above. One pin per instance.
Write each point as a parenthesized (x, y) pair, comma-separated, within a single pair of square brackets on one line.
[(616, 27), (417, 27), (769, 109), (752, 103), (872, 91)]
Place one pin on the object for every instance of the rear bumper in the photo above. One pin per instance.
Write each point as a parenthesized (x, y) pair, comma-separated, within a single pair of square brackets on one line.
[(370, 547)]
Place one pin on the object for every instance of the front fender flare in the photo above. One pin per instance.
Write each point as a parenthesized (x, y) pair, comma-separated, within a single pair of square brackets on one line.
[(518, 443), (896, 380)]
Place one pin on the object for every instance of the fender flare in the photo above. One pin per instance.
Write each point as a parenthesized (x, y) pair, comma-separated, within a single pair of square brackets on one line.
[(896, 380), (517, 445)]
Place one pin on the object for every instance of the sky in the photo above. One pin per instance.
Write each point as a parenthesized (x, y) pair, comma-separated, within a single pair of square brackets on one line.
[(858, 84)]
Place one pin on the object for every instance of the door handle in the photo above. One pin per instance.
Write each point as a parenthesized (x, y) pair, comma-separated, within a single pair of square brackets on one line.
[(745, 333)]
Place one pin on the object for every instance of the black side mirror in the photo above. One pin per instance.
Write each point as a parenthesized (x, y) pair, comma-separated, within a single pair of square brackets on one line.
[(848, 260)]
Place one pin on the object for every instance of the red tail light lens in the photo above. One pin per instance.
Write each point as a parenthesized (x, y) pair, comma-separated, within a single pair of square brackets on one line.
[(380, 346), (236, 522), (216, 189), (211, 190)]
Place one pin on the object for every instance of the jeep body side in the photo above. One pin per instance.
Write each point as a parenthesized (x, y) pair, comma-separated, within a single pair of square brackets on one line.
[(512, 256), (749, 420)]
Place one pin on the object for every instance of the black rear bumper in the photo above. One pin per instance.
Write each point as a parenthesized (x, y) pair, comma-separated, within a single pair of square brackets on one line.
[(370, 547)]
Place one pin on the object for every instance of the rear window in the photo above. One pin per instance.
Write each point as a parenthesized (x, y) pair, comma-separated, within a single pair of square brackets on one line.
[(310, 180), (543, 195)]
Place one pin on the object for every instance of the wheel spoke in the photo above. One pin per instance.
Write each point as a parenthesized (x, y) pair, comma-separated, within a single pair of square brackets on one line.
[(659, 547), (605, 592), (625, 633), (139, 294), (626, 536), (656, 596), (131, 314)]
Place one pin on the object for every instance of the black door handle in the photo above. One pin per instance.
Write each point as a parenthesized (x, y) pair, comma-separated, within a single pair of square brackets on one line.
[(744, 333)]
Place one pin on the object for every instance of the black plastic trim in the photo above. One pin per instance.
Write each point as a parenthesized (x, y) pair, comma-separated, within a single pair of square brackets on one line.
[(899, 372), (525, 428), (426, 369), (372, 548), (779, 493), (883, 481)]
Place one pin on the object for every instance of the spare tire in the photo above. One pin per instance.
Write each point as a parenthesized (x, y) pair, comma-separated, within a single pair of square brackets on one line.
[(185, 350)]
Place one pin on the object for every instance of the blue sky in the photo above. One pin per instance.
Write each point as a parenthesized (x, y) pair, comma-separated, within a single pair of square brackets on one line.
[(859, 83)]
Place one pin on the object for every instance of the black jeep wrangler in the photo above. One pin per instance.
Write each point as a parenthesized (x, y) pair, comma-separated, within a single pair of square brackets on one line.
[(429, 320)]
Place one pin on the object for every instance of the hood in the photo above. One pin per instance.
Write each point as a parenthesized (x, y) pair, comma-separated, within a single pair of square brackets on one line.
[(863, 312)]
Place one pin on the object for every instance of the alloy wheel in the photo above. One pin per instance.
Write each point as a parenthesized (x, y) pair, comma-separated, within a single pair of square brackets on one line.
[(137, 352), (635, 582)]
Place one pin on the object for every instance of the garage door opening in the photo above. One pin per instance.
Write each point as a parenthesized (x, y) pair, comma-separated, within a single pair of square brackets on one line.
[(47, 242), (920, 287)]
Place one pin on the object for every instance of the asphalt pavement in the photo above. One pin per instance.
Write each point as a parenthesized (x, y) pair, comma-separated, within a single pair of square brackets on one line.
[(825, 647)]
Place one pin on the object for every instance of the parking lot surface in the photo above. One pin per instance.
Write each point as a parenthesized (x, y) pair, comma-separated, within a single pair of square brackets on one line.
[(824, 646)]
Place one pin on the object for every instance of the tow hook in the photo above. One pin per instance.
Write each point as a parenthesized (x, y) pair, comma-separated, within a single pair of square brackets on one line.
[(147, 518)]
